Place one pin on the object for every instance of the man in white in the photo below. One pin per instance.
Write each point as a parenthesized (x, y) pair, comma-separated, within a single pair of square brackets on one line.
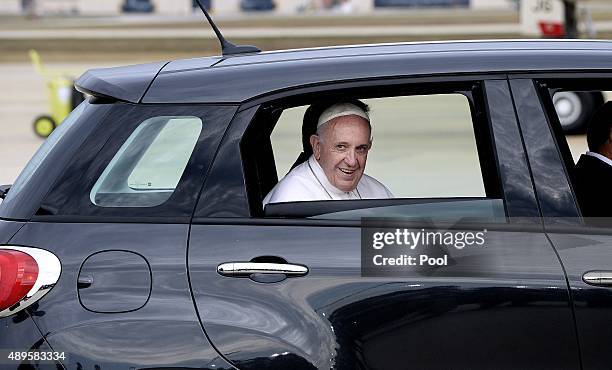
[(335, 170)]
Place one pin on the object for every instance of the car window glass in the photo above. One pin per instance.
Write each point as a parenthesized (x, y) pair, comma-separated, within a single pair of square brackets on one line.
[(148, 166), (481, 210)]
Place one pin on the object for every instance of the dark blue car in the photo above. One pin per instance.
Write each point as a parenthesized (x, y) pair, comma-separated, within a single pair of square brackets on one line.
[(136, 237)]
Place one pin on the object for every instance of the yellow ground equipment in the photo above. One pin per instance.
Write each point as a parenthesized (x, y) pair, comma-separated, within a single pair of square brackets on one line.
[(62, 96)]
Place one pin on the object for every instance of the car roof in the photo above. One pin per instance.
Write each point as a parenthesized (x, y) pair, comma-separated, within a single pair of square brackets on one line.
[(239, 78)]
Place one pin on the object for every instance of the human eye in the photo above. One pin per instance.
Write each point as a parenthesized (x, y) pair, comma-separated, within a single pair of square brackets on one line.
[(362, 149), (341, 147)]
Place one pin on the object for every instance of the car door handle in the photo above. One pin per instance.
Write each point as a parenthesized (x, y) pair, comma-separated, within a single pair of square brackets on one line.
[(246, 269), (598, 278)]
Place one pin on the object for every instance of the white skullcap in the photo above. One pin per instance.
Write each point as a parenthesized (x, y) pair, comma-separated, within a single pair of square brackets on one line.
[(339, 110)]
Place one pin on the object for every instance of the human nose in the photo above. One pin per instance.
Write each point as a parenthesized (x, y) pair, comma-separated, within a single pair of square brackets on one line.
[(351, 158)]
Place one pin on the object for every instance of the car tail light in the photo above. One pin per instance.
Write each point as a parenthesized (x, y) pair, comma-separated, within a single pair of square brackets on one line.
[(18, 273), (26, 274)]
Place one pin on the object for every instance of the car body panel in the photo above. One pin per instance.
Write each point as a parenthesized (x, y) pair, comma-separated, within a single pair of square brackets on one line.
[(583, 250), (512, 291), (8, 229), (20, 333), (550, 176), (514, 48), (515, 178), (198, 86), (186, 64), (127, 83), (164, 332)]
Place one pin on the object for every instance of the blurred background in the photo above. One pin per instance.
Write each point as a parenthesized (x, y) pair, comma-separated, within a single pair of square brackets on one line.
[(71, 36)]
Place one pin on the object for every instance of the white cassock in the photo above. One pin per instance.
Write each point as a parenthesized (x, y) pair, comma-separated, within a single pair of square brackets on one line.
[(308, 182)]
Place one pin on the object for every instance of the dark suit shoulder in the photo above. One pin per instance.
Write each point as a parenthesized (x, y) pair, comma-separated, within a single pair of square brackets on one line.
[(589, 167), (588, 162), (593, 185)]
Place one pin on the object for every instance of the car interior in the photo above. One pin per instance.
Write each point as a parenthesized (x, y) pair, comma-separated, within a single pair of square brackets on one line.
[(264, 164), (570, 146)]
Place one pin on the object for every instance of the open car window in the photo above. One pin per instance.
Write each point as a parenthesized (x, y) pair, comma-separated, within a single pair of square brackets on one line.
[(433, 152), (423, 145), (571, 109)]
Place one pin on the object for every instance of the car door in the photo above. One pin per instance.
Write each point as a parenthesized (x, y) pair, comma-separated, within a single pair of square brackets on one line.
[(307, 303), (584, 246), (117, 217)]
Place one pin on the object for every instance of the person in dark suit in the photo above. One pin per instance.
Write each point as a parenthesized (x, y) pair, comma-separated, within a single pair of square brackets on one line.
[(593, 172)]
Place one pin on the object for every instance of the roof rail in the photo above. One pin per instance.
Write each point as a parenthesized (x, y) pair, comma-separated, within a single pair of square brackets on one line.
[(227, 48)]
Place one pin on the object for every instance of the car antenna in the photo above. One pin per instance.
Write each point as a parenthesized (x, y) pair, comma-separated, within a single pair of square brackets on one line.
[(227, 48)]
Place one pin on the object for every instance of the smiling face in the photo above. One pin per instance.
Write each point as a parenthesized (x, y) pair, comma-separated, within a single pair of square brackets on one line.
[(341, 149)]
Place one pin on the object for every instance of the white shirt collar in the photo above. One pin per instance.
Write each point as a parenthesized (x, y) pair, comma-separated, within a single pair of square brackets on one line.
[(600, 157), (331, 189)]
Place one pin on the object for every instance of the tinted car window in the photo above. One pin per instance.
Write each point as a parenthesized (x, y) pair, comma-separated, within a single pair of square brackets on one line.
[(168, 146), (484, 210), (148, 166)]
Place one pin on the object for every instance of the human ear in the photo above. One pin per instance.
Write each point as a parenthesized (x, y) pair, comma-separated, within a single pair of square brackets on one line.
[(607, 147), (315, 143)]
